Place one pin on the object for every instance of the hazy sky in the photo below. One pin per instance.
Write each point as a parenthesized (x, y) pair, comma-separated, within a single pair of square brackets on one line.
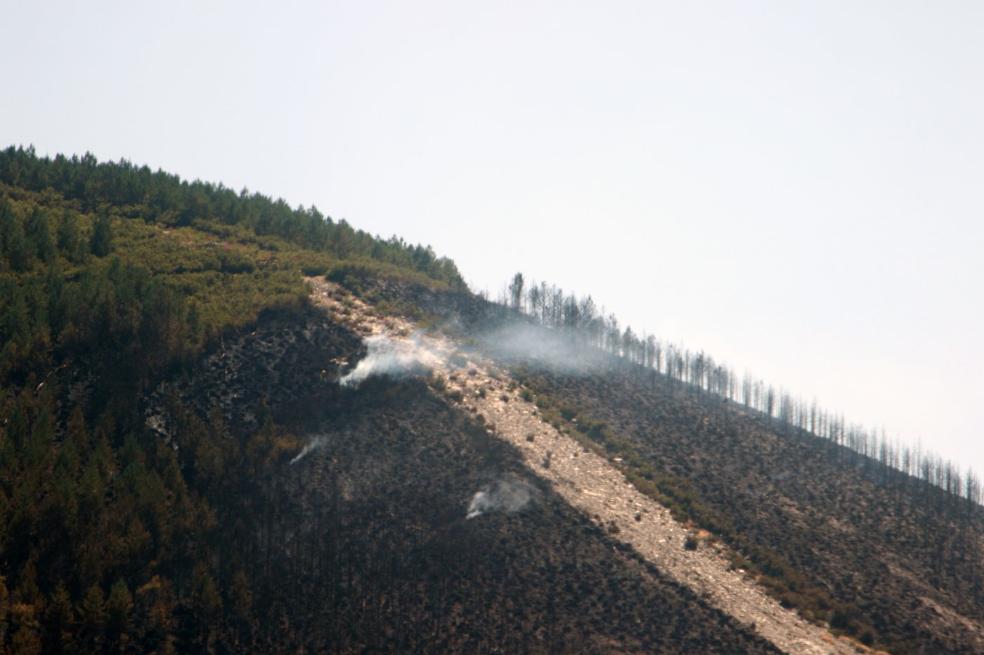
[(794, 187)]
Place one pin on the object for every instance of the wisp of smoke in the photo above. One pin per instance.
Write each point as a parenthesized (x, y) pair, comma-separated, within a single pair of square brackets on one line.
[(311, 446), (392, 357), (502, 496), (539, 346)]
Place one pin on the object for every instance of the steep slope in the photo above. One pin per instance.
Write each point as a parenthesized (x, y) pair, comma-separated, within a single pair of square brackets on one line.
[(363, 543), (589, 482), (846, 541), (901, 558), (188, 461), (159, 361)]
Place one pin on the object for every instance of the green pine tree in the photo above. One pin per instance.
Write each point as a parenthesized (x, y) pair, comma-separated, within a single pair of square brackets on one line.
[(69, 238), (15, 247), (100, 243), (39, 235)]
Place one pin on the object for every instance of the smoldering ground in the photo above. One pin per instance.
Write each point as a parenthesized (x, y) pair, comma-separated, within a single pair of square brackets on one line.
[(396, 358), (312, 445), (506, 496)]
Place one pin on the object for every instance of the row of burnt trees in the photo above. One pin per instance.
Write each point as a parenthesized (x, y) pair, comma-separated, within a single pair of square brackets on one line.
[(591, 327)]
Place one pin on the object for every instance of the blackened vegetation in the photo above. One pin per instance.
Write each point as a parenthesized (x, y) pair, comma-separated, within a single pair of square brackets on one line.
[(885, 547), (363, 545), (276, 367), (195, 533), (371, 549), (842, 537), (453, 309)]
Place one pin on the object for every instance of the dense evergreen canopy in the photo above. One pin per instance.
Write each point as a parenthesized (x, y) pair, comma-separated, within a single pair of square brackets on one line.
[(165, 198)]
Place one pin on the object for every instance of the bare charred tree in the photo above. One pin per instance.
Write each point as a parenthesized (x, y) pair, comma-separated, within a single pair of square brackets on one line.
[(516, 292)]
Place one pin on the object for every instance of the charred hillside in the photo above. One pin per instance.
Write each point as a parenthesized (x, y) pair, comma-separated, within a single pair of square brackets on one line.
[(363, 545), (235, 538), (847, 540), (835, 534)]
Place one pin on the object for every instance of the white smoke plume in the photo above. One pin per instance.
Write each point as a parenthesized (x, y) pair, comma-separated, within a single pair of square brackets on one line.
[(502, 496), (535, 345), (519, 342), (311, 446), (392, 357)]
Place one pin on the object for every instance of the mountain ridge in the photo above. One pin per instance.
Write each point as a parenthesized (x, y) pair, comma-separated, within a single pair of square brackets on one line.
[(183, 466)]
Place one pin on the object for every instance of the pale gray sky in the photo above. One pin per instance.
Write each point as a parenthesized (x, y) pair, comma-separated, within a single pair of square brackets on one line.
[(794, 187)]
